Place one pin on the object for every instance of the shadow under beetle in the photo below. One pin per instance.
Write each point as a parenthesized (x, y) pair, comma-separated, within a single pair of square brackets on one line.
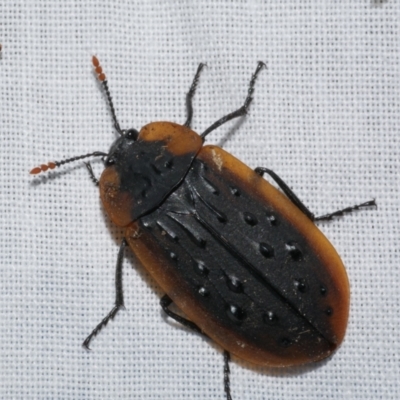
[(242, 261)]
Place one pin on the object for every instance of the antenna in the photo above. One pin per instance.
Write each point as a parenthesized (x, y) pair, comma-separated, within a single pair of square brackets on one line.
[(54, 164), (101, 76)]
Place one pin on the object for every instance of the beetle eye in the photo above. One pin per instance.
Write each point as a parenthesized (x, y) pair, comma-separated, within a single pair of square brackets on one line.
[(109, 161), (131, 134)]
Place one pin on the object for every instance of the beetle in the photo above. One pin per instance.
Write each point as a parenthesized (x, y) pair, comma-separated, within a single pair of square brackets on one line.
[(243, 262)]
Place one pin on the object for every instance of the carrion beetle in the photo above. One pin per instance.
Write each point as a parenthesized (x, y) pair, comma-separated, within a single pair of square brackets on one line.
[(242, 261)]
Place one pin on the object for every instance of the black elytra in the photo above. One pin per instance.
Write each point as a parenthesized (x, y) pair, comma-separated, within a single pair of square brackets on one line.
[(243, 262)]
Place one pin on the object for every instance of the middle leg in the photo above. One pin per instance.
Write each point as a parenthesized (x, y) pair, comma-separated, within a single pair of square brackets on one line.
[(297, 202)]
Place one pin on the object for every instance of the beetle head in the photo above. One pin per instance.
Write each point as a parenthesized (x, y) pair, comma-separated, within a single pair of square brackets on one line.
[(121, 146)]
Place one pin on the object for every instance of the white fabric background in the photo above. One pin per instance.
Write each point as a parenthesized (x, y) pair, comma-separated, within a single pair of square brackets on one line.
[(326, 118)]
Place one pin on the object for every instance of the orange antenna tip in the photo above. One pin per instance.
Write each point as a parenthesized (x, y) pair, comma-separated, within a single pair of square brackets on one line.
[(99, 71), (54, 164), (43, 168), (36, 171), (95, 61)]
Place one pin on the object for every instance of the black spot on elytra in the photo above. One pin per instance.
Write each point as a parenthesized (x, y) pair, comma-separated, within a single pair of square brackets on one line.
[(222, 218), (235, 313), (270, 318), (169, 164), (272, 219), (300, 285), (201, 269), (235, 191), (203, 292), (250, 218), (234, 284), (266, 250), (329, 311), (293, 250)]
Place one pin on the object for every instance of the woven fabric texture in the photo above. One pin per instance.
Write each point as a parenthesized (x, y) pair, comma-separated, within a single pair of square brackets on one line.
[(325, 117)]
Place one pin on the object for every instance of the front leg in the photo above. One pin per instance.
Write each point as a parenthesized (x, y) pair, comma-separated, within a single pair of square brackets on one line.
[(91, 173), (240, 111), (119, 297)]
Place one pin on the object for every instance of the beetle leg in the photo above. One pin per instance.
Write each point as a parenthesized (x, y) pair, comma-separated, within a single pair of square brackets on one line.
[(286, 189), (165, 302), (91, 173), (119, 297), (339, 213), (190, 94), (227, 371), (242, 110), (290, 194)]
